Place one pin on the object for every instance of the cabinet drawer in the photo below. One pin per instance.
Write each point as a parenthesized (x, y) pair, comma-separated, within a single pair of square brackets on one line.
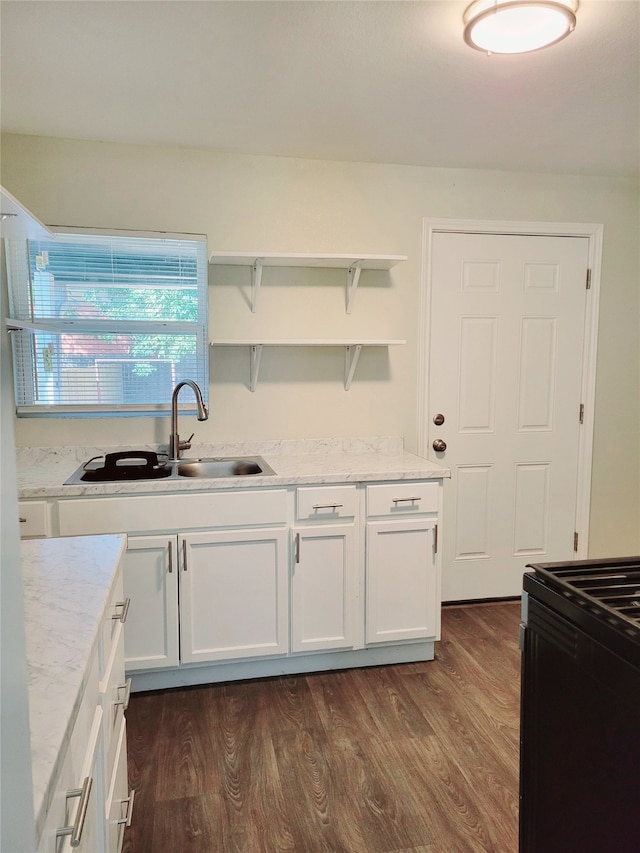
[(119, 804), (326, 502), (81, 760), (112, 686), (399, 499), (172, 512), (35, 518), (112, 623), (114, 694)]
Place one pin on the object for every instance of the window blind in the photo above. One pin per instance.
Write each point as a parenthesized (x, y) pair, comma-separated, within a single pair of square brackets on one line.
[(111, 322)]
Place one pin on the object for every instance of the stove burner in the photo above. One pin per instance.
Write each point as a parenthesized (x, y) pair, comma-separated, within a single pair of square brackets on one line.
[(609, 588)]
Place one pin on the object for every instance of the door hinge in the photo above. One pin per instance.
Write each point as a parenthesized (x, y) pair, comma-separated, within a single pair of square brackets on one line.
[(575, 541), (581, 413), (588, 279)]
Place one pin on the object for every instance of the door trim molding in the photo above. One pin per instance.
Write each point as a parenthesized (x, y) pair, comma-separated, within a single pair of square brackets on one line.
[(594, 233)]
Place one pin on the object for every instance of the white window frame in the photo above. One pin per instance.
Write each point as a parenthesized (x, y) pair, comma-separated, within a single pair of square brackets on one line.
[(22, 326)]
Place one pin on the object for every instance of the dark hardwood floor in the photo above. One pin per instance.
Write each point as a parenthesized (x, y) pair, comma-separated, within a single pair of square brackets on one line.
[(412, 757)]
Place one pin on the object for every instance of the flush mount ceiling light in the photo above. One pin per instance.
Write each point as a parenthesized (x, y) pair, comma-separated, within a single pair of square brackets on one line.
[(517, 26)]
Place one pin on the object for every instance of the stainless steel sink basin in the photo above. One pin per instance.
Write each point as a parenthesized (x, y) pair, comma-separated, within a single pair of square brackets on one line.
[(205, 468)]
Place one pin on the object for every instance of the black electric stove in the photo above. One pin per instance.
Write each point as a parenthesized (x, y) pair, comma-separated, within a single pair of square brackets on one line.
[(580, 707)]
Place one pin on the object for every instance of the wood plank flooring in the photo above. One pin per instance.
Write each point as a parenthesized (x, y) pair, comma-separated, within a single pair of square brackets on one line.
[(419, 758)]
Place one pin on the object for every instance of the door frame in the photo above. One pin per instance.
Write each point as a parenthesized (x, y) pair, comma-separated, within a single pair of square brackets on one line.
[(594, 233)]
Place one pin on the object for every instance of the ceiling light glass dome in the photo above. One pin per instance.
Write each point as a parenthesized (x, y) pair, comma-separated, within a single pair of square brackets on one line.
[(518, 26)]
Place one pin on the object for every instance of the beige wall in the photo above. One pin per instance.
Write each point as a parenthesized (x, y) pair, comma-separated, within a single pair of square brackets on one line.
[(277, 204)]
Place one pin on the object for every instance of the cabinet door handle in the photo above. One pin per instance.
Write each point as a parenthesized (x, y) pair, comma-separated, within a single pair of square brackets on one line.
[(184, 555), (129, 801), (435, 539), (122, 616), (170, 557), (297, 541), (127, 694), (75, 829), (22, 520)]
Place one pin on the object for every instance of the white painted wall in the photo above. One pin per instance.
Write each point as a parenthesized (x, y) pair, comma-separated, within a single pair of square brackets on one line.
[(274, 204)]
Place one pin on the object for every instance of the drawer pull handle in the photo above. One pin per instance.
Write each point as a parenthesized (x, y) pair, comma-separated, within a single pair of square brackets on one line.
[(22, 520), (122, 616), (75, 830), (126, 821), (127, 694), (334, 507), (402, 500)]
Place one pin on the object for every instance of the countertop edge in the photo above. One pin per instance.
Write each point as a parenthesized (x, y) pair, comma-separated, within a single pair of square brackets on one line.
[(47, 563)]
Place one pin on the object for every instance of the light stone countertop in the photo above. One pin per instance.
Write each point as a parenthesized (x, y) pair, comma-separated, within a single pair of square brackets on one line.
[(43, 471), (67, 584)]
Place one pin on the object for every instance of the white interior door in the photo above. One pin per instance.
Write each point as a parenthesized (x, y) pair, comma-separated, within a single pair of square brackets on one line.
[(507, 330)]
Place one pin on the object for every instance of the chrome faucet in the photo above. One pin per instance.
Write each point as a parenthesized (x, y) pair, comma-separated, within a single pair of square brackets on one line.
[(175, 445)]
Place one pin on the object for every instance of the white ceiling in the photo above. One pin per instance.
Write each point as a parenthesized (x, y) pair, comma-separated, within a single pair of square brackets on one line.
[(386, 82)]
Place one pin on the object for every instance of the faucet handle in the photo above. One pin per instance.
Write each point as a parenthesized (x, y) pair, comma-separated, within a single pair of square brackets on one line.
[(186, 445)]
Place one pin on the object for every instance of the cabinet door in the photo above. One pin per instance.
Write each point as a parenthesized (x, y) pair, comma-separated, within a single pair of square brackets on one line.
[(401, 578), (323, 588), (151, 582), (35, 519), (233, 594)]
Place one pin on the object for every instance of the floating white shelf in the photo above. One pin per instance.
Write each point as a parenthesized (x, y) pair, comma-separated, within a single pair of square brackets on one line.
[(352, 350), (353, 264)]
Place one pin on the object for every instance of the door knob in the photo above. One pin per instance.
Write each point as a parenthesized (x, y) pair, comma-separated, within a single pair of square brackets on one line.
[(439, 445)]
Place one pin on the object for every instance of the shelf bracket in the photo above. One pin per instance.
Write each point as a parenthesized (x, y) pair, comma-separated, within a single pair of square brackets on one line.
[(256, 355), (256, 281), (351, 356), (353, 277)]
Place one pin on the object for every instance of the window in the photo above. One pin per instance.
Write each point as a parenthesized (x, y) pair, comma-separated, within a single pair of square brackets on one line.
[(109, 323)]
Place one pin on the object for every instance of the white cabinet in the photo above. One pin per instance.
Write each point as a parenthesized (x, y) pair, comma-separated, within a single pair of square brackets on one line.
[(151, 583), (324, 579), (323, 588), (232, 588), (92, 781), (74, 819), (402, 577), (233, 594), (35, 519), (401, 580), (212, 595), (242, 583), (114, 692), (119, 802)]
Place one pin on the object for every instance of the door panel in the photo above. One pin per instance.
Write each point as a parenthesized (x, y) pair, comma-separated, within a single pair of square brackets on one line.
[(401, 593), (151, 582), (233, 594), (507, 330), (323, 589)]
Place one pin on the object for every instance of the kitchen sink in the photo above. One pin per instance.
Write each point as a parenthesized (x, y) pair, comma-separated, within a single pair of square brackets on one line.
[(126, 467), (220, 467)]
